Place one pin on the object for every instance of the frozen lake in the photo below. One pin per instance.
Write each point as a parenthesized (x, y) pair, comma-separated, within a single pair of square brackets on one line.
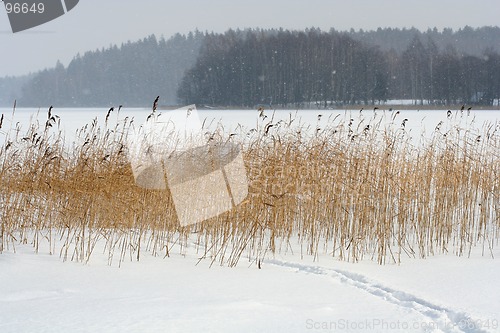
[(418, 124)]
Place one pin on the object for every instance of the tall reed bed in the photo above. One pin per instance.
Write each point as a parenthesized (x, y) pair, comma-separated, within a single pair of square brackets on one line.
[(351, 188)]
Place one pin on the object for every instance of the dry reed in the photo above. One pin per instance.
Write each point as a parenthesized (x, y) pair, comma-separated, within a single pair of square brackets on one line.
[(353, 189)]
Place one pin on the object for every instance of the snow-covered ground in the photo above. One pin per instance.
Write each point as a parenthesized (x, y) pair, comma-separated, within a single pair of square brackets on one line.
[(419, 125), (40, 293), (418, 121), (445, 293)]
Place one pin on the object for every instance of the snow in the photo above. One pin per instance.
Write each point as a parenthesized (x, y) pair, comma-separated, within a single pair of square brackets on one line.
[(40, 292), (419, 121), (446, 293)]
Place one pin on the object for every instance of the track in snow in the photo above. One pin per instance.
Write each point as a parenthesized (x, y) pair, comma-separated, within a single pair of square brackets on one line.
[(450, 321)]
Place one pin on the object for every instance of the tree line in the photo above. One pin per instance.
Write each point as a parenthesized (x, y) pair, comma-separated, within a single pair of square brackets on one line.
[(300, 68), (466, 40), (275, 67), (126, 75), (285, 68)]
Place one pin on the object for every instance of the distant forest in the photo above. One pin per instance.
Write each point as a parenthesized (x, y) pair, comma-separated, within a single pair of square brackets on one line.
[(276, 67), (126, 75)]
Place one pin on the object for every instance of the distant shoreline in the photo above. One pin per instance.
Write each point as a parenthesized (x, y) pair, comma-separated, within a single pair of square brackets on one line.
[(384, 107), (345, 107)]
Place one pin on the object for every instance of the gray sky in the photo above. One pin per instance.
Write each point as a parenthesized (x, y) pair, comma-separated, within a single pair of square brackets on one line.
[(99, 23)]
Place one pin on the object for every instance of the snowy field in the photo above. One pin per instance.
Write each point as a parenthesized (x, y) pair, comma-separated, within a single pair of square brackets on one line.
[(290, 293), (40, 293)]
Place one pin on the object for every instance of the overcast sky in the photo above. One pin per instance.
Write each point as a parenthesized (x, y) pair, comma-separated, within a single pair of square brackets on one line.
[(99, 23)]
